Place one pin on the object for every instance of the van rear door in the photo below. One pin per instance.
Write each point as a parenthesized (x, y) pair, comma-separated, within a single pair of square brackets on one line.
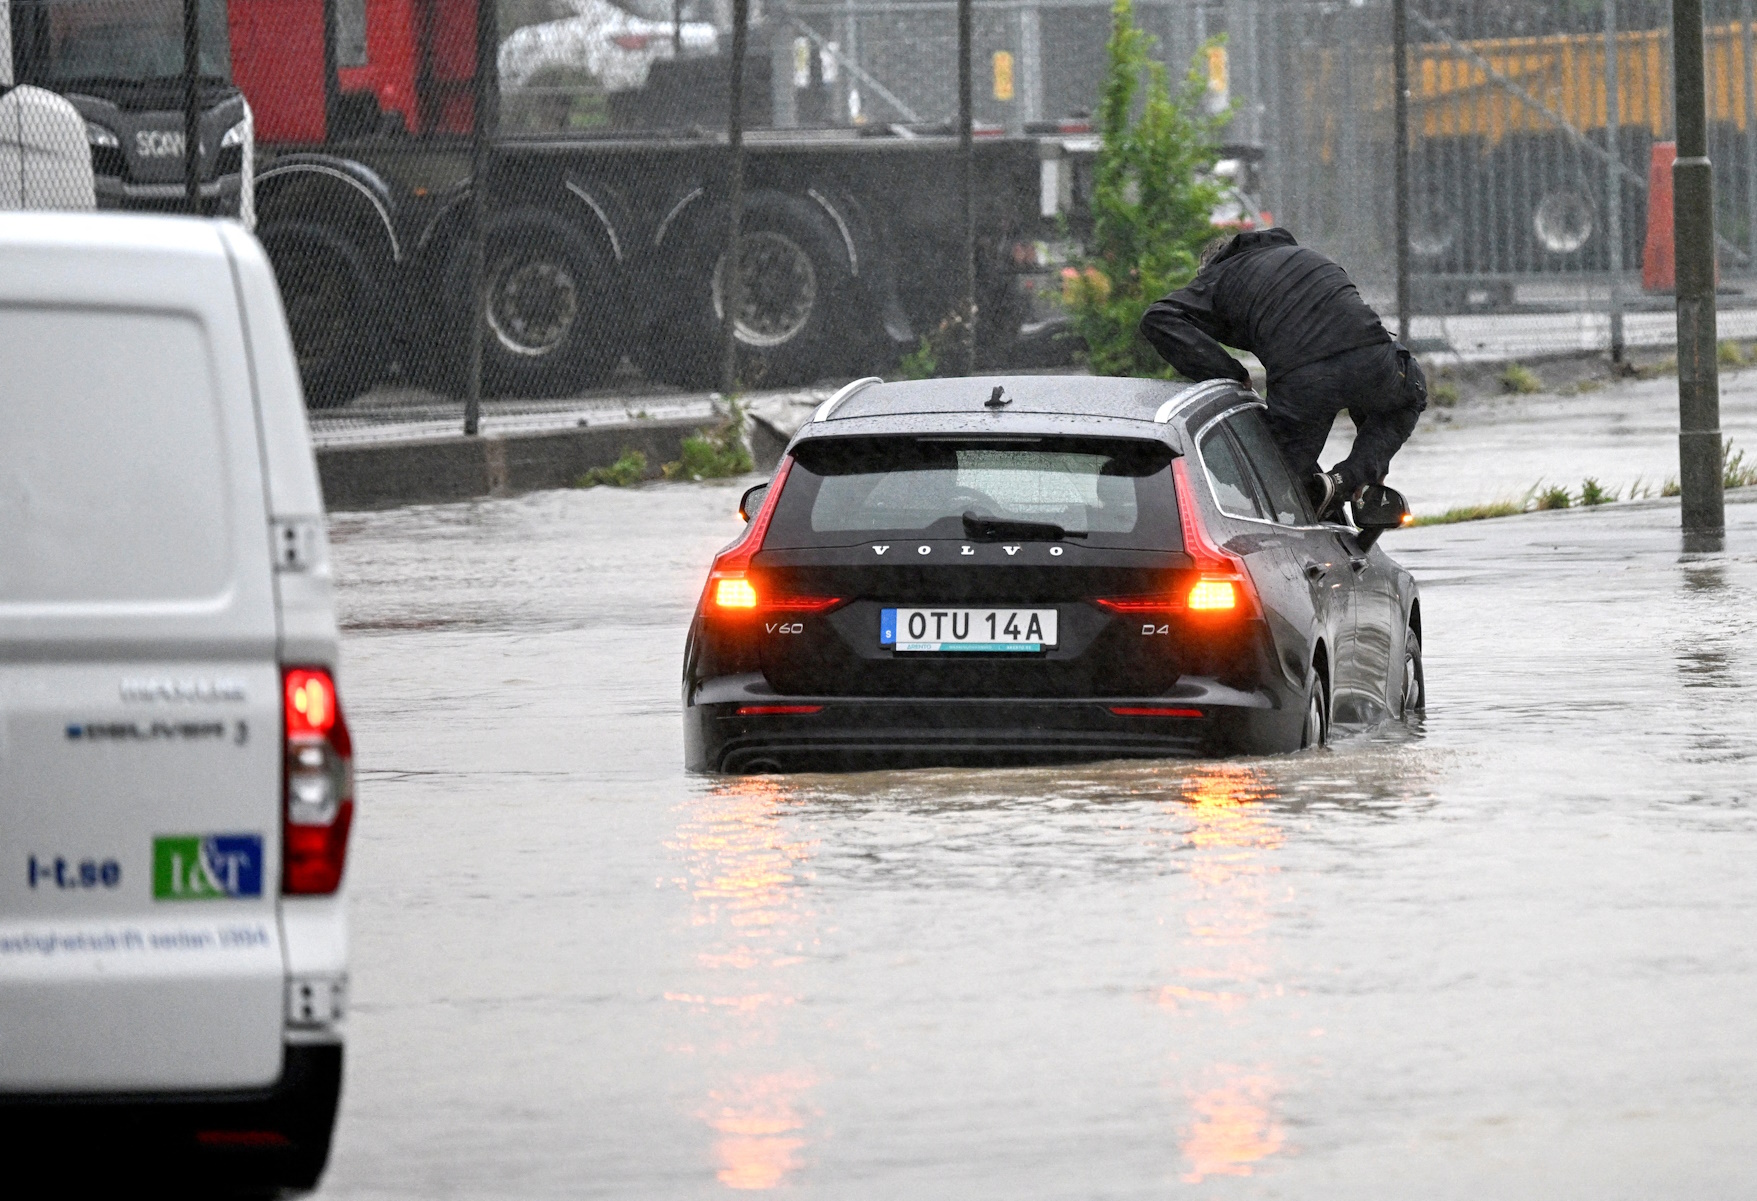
[(140, 722)]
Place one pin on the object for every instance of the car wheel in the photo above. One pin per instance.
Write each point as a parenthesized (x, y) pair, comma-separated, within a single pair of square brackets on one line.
[(331, 303), (1415, 685), (1315, 731), (794, 280), (554, 305)]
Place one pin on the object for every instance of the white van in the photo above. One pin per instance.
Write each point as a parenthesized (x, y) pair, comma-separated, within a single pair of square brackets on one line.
[(176, 781)]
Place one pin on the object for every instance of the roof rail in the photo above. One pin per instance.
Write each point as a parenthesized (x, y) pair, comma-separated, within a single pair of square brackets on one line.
[(823, 411), (1195, 392)]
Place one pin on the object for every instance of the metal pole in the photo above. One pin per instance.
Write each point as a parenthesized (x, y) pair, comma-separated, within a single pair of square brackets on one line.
[(732, 278), (482, 160), (1748, 44), (1613, 197), (1030, 63), (192, 106), (677, 30), (1400, 155), (967, 183), (1699, 448)]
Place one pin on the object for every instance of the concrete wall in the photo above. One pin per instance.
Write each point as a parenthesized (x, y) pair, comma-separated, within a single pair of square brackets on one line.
[(443, 469)]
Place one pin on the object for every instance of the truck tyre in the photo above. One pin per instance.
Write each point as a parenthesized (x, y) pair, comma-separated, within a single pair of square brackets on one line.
[(555, 316), (332, 308), (796, 285)]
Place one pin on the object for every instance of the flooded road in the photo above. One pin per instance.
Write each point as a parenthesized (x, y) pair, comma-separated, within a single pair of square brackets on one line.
[(1509, 954)]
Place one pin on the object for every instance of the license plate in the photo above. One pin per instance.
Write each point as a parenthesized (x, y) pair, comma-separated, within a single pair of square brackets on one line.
[(911, 630)]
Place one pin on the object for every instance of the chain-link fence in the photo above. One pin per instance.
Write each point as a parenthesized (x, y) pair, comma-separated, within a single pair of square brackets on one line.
[(569, 163)]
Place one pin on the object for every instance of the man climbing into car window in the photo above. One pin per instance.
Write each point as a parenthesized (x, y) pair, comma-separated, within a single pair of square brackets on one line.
[(1323, 347)]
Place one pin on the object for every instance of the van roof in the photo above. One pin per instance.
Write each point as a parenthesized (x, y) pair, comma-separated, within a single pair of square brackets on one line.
[(111, 231)]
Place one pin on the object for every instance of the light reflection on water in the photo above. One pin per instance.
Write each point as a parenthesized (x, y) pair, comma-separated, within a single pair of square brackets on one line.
[(1226, 949), (743, 872)]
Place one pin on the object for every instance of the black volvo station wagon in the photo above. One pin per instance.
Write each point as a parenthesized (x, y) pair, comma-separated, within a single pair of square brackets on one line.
[(1042, 569)]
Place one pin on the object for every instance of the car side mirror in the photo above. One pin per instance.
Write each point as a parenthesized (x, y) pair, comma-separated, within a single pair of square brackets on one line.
[(752, 500), (1379, 509)]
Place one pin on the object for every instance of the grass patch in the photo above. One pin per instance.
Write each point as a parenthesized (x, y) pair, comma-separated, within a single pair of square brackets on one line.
[(1734, 471), (1520, 379), (1731, 354), (714, 452), (1655, 370), (1594, 493), (1553, 497), (1499, 508), (628, 470), (1445, 394)]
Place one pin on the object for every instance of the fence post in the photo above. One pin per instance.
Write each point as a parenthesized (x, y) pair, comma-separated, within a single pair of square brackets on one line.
[(732, 286), (967, 185), (1748, 44), (1400, 155), (1613, 198), (192, 106), (1699, 450), (482, 160)]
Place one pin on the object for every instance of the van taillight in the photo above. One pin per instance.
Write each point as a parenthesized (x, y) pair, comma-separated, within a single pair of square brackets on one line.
[(318, 806)]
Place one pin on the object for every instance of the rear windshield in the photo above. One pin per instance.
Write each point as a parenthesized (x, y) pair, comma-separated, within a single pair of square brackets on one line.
[(1111, 492)]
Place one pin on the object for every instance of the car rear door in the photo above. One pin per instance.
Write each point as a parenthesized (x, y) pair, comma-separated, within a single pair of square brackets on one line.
[(140, 742), (1320, 591)]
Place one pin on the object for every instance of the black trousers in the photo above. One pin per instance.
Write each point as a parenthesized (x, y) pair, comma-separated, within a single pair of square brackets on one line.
[(1370, 384)]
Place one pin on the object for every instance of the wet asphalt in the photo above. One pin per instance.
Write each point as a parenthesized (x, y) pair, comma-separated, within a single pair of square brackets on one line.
[(1508, 953)]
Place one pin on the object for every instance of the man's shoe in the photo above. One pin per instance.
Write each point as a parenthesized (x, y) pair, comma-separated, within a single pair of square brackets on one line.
[(1325, 491)]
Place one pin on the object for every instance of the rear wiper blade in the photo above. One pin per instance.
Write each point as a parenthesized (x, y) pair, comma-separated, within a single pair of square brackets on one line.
[(993, 529)]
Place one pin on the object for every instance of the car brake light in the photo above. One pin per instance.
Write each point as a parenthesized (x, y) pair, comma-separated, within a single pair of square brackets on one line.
[(734, 593), (729, 588), (1140, 604), (1208, 595), (1222, 584), (318, 800), (632, 41), (801, 604), (1152, 711), (777, 710)]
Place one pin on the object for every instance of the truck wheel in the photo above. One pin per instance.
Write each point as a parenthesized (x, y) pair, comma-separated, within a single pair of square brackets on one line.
[(555, 309), (795, 278), (1564, 219), (332, 309)]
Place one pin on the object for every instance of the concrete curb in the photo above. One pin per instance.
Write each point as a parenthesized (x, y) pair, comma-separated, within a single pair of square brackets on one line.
[(434, 470)]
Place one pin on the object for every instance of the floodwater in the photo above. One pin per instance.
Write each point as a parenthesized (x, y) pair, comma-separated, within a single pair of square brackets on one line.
[(1509, 954)]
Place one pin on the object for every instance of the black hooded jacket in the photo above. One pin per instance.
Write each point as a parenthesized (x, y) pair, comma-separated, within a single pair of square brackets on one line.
[(1265, 293)]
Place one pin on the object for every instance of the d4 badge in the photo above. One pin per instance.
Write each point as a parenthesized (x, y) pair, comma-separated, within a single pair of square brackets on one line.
[(214, 867)]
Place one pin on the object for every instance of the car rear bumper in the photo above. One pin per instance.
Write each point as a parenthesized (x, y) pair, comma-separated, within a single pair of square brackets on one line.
[(1200, 718), (269, 1138)]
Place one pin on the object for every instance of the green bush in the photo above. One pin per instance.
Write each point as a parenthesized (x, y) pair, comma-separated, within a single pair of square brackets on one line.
[(1445, 394), (1518, 378), (1553, 497), (1731, 354), (1152, 199), (715, 452), (628, 470), (1594, 493)]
